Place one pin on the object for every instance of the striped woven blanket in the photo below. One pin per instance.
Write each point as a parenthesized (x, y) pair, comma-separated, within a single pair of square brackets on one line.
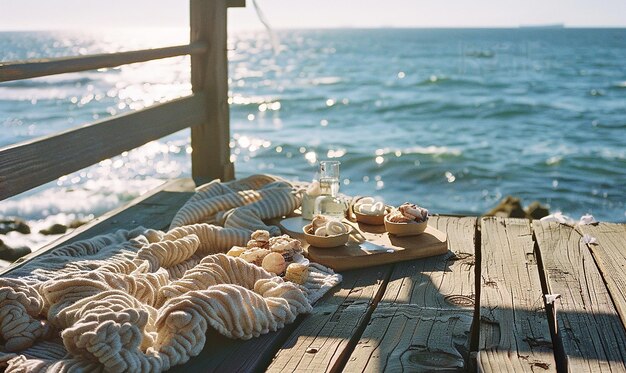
[(141, 300)]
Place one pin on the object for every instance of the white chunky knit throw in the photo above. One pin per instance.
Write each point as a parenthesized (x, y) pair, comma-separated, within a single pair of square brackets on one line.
[(142, 300)]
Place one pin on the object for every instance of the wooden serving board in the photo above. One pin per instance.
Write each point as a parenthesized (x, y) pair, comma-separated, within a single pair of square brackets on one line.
[(430, 243)]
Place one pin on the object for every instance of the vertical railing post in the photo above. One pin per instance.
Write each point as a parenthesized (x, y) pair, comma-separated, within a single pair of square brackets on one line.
[(210, 158)]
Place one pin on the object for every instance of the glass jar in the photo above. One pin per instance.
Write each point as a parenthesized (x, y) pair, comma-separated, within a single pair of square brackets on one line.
[(329, 203), (332, 207)]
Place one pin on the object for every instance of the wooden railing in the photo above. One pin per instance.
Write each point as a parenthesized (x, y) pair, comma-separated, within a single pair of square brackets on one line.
[(26, 165), (50, 66)]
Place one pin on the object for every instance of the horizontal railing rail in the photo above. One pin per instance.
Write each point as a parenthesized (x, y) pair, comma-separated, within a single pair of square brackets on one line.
[(29, 164), (18, 70)]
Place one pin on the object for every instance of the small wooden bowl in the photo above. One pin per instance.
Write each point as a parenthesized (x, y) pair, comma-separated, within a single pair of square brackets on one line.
[(326, 242), (405, 229), (371, 219)]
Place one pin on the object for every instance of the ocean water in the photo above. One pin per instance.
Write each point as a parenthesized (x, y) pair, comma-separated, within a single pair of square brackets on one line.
[(453, 119)]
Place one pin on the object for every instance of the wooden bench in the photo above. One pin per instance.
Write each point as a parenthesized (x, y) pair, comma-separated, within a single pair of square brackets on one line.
[(481, 305)]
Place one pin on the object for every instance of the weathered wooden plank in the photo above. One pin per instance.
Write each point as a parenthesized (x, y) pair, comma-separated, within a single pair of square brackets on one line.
[(324, 339), (423, 320), (514, 330), (17, 70), (27, 165), (411, 338), (442, 281), (610, 255), (587, 325), (209, 73), (154, 209)]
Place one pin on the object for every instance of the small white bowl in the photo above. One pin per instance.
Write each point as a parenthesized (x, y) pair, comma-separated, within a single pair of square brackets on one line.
[(326, 242), (405, 229)]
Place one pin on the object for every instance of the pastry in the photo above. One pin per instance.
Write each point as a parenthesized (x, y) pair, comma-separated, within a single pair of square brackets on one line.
[(318, 222), (325, 227), (368, 206), (236, 251), (274, 263), (297, 273), (286, 246), (254, 255), (334, 228), (408, 213)]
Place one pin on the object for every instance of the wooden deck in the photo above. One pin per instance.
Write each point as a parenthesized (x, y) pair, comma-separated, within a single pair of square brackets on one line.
[(481, 306)]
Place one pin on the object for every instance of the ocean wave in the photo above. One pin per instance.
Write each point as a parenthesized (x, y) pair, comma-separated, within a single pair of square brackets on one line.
[(57, 200), (326, 80), (50, 82), (48, 88), (432, 150), (610, 125), (554, 160), (399, 105), (508, 111), (243, 101), (35, 94), (420, 150), (505, 109), (451, 108), (432, 80), (91, 198), (613, 154), (480, 54), (461, 82)]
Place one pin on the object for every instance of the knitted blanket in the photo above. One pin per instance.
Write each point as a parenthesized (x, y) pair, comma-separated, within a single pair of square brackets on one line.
[(142, 300)]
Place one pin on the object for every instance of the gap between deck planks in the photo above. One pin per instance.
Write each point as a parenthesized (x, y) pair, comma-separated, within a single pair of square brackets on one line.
[(589, 334), (323, 341), (610, 255)]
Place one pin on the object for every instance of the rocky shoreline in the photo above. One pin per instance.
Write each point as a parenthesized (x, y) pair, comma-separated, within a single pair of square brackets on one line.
[(511, 207), (11, 253)]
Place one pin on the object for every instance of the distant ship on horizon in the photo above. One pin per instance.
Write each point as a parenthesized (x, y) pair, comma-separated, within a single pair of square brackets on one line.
[(550, 26)]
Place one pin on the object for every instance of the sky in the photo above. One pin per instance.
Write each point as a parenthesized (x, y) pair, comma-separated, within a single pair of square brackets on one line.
[(81, 14)]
